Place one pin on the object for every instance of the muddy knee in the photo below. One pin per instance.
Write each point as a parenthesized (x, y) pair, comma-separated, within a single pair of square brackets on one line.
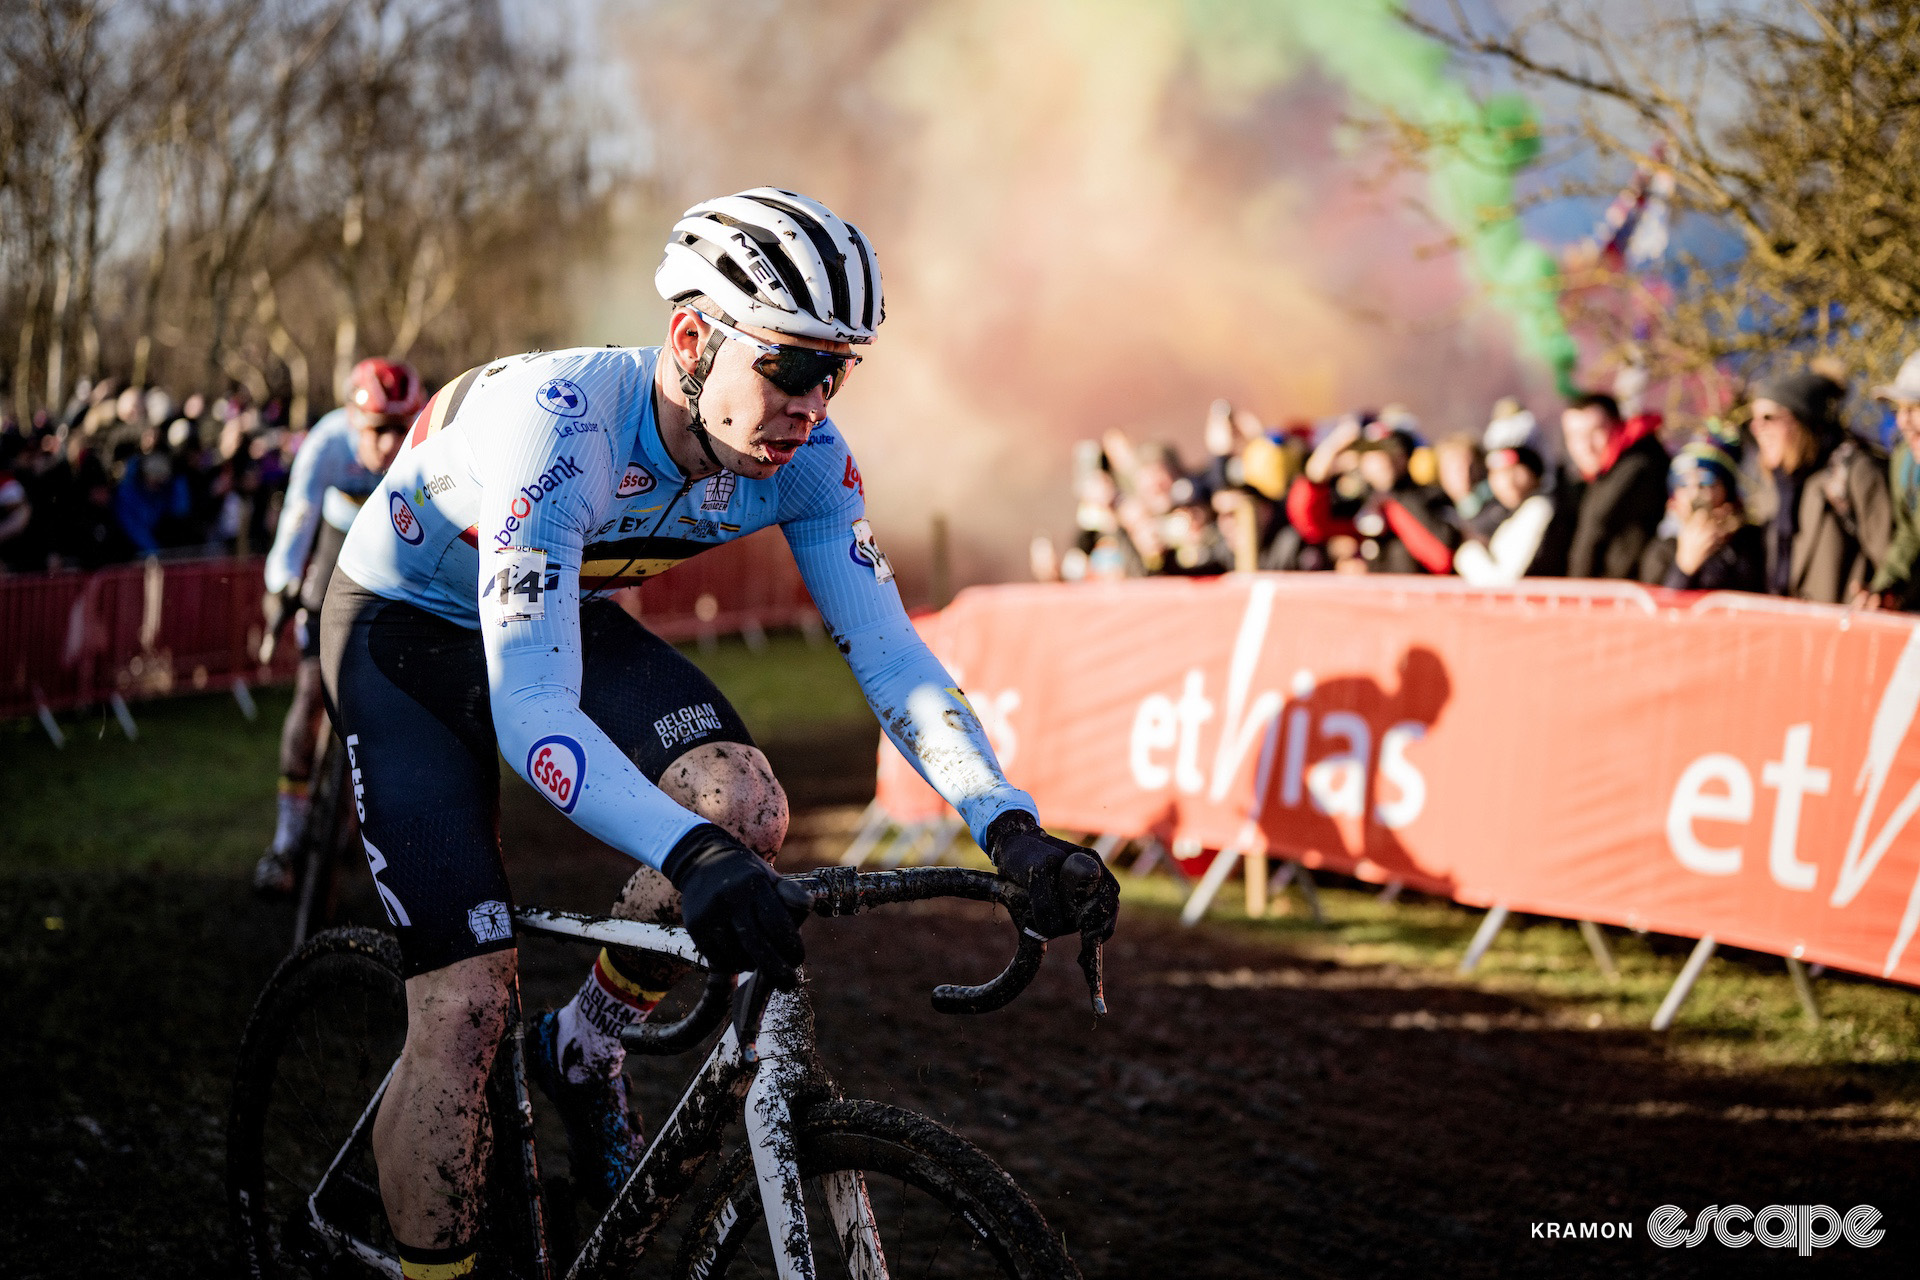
[(650, 897), (732, 786)]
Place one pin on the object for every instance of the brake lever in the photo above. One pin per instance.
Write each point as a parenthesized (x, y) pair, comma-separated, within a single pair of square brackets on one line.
[(1092, 966)]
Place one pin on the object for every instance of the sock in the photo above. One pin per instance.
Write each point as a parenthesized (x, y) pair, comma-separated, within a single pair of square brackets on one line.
[(293, 814), (436, 1264), (588, 1039)]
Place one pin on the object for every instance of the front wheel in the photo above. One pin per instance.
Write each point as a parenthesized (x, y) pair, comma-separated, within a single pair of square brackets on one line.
[(939, 1208), (301, 1186)]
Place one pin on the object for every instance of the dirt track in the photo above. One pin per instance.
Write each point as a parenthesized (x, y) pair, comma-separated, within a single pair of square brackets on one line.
[(1239, 1114)]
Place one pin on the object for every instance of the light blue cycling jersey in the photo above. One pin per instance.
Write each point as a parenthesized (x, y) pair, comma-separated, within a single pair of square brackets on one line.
[(539, 479), (327, 483)]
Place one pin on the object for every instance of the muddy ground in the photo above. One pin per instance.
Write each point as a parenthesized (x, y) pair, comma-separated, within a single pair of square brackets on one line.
[(1240, 1113)]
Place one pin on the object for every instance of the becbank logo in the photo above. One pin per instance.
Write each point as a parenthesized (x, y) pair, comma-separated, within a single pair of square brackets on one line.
[(1802, 1227)]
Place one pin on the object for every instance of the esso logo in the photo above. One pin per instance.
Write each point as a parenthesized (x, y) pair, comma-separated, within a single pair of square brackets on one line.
[(557, 767), (638, 480), (405, 523)]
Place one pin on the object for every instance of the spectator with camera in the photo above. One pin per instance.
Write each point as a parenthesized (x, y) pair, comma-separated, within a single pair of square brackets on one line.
[(1519, 545), (1832, 523), (1395, 525), (1712, 546), (1618, 491)]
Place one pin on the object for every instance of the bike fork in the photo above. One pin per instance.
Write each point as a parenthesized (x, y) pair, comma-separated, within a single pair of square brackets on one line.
[(784, 1053)]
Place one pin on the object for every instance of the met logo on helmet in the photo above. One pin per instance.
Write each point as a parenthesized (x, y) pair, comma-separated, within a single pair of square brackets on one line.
[(405, 523), (558, 396), (557, 767)]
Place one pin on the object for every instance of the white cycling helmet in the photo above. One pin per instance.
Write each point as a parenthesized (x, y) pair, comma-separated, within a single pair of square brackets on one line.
[(776, 260)]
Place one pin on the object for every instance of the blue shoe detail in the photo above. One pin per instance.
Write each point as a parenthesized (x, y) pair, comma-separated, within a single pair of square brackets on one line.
[(603, 1136)]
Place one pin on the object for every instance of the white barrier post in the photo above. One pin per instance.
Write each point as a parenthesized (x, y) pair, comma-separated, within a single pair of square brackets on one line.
[(1602, 953), (1247, 846), (1152, 852), (1483, 937), (1803, 987), (124, 716), (1682, 985), (51, 725)]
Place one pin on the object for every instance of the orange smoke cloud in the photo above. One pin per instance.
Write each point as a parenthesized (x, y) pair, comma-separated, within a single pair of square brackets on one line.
[(1085, 217)]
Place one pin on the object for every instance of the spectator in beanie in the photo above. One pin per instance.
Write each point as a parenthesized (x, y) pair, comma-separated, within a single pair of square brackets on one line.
[(1713, 548), (1893, 585), (1401, 527), (1833, 523), (1619, 491), (1510, 551)]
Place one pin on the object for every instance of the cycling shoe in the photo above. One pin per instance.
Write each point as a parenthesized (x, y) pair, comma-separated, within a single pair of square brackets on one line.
[(603, 1136), (273, 874)]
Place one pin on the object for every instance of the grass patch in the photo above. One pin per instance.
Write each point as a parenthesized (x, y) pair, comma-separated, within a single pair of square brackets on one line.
[(789, 688), (1742, 1015), (196, 791)]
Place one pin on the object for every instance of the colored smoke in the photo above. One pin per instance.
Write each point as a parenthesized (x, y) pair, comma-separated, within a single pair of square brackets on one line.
[(1090, 213)]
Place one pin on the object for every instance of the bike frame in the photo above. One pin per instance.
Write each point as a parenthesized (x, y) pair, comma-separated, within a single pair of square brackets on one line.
[(770, 1074)]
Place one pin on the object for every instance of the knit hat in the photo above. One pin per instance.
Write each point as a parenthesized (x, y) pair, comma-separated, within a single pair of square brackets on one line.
[(1813, 398), (1519, 455), (1710, 456)]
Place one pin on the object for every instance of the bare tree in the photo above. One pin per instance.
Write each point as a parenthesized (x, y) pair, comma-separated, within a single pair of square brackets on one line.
[(1793, 126), (292, 184)]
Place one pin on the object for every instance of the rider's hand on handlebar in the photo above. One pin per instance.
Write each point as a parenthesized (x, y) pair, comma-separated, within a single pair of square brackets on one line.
[(1069, 889), (734, 906)]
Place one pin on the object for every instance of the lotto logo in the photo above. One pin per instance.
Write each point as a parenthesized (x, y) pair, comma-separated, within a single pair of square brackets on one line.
[(638, 480), (557, 767), (561, 397), (405, 523)]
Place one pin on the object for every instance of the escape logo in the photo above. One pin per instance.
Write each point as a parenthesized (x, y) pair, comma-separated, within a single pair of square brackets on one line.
[(1804, 1227)]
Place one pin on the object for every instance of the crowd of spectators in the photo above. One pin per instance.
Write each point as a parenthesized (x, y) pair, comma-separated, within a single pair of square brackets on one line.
[(128, 472), (1783, 497)]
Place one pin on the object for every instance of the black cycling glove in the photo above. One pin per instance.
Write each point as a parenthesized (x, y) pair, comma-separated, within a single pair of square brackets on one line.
[(1069, 888), (733, 905)]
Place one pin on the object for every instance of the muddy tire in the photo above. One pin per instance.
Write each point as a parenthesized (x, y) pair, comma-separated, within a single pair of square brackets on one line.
[(941, 1207), (316, 1049)]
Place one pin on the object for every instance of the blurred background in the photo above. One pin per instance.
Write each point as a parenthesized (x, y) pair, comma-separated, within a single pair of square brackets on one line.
[(1092, 214)]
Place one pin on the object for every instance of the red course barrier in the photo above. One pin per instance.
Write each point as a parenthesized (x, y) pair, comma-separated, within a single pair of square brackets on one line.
[(1725, 765), (146, 630)]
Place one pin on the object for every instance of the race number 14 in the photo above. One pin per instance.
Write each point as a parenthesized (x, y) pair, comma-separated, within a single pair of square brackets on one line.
[(518, 589)]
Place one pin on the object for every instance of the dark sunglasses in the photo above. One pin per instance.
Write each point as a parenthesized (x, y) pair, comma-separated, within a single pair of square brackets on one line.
[(795, 370)]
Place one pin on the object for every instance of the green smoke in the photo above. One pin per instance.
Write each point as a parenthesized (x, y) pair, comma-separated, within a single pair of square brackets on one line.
[(1474, 149)]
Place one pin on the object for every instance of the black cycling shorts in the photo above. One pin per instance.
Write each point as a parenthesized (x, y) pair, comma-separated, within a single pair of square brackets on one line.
[(327, 542), (408, 694)]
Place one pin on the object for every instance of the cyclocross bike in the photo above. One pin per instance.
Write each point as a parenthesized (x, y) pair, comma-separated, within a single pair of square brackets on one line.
[(327, 839), (876, 1191)]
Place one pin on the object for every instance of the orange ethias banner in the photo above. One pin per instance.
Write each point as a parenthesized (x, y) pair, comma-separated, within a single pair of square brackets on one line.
[(1721, 764)]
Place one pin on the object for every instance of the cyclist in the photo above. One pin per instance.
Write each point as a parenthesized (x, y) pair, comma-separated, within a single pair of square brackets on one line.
[(469, 624), (338, 465)]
